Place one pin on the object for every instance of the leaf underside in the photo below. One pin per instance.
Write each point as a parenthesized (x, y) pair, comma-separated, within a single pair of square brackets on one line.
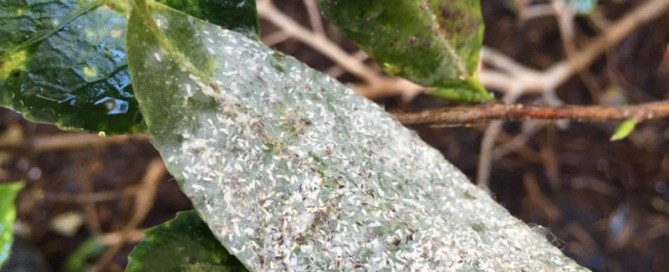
[(292, 170)]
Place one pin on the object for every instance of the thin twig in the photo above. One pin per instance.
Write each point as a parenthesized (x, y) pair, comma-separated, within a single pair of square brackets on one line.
[(374, 84), (314, 17), (142, 205), (67, 141), (565, 16), (120, 237), (90, 210), (516, 112), (488, 143), (269, 12), (93, 197), (538, 82)]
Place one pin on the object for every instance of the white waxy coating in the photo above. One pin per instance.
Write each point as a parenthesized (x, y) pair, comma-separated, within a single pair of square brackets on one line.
[(293, 171)]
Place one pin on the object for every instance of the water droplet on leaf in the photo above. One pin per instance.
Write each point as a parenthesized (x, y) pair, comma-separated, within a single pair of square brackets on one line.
[(113, 105)]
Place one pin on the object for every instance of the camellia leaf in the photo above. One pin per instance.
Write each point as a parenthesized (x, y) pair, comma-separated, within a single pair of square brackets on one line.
[(184, 243), (72, 70), (64, 62), (434, 43), (8, 193), (293, 171)]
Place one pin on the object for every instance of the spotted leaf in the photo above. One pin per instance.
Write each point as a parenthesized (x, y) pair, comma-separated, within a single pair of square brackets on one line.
[(293, 171), (434, 43)]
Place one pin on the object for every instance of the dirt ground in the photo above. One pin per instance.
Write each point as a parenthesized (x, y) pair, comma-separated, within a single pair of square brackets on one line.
[(605, 204)]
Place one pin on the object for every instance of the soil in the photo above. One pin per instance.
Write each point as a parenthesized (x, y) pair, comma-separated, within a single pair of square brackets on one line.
[(605, 204)]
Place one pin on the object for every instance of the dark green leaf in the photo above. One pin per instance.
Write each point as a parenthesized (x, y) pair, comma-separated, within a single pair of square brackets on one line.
[(434, 43), (64, 61), (292, 171), (73, 73), (184, 243), (237, 15), (8, 193)]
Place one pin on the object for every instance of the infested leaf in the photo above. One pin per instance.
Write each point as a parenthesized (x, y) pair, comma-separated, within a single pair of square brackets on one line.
[(291, 170)]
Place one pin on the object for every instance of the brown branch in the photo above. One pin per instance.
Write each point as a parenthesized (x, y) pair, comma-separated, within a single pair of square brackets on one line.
[(143, 202), (517, 112), (67, 141)]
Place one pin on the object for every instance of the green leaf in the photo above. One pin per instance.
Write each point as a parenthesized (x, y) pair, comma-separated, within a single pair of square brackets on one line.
[(433, 43), (184, 243), (8, 193), (237, 15), (72, 71), (64, 61), (624, 129), (292, 171), (78, 260)]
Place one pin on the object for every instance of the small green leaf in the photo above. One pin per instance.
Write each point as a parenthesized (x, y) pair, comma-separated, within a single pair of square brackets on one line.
[(624, 129), (8, 193), (433, 43), (184, 243)]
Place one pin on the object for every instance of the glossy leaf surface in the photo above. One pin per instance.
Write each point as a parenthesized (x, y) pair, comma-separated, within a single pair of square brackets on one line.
[(434, 43), (64, 61), (293, 171), (72, 72), (184, 243), (8, 193)]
